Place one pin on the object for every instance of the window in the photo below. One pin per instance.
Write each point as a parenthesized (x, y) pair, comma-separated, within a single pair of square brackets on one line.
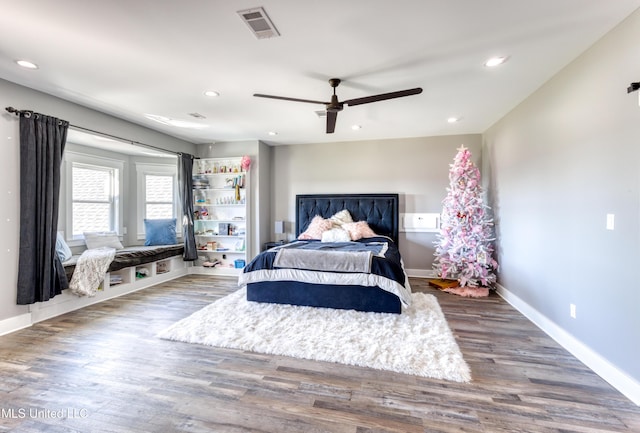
[(159, 200), (94, 189), (157, 189), (93, 198)]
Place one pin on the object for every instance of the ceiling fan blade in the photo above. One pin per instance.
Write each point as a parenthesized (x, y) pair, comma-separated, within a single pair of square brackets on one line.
[(331, 121), (284, 98), (383, 97)]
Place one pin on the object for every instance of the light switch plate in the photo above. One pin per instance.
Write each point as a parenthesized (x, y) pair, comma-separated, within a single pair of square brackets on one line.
[(610, 221)]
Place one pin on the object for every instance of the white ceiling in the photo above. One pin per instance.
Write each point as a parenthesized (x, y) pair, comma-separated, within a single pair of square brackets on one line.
[(131, 57)]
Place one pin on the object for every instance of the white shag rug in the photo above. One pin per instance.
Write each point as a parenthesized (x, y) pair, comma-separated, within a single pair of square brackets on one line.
[(417, 342)]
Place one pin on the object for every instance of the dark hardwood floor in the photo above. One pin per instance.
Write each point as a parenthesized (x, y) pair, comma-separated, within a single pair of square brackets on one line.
[(101, 369)]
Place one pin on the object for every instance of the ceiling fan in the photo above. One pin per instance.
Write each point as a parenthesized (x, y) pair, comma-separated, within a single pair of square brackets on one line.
[(334, 106)]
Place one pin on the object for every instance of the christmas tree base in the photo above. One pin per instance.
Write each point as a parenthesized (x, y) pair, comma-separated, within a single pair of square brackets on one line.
[(468, 292), (442, 283)]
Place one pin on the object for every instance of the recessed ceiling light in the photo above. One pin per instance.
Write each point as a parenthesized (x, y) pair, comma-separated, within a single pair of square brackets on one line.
[(356, 127), (495, 61), (273, 133), (212, 93), (453, 119), (27, 64)]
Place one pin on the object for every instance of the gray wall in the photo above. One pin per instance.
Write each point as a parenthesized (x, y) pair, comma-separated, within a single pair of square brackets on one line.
[(23, 98), (416, 168), (556, 165)]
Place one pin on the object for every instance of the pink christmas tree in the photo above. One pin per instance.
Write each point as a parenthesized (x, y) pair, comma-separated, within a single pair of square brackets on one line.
[(464, 247)]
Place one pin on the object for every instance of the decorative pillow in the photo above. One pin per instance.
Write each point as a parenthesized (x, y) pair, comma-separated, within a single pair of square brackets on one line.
[(317, 226), (359, 230), (160, 231), (336, 235), (62, 249), (341, 217), (102, 239)]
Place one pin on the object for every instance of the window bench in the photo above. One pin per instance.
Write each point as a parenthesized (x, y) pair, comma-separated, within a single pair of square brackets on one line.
[(132, 269), (132, 256)]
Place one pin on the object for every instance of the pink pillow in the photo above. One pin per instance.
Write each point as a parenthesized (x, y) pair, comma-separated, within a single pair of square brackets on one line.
[(359, 230), (317, 226)]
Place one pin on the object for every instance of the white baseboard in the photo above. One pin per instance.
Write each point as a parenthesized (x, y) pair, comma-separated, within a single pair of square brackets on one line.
[(15, 323), (219, 272), (421, 273), (601, 366)]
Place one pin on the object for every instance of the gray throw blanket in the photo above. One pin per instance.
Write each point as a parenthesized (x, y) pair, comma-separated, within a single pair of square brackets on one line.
[(320, 260)]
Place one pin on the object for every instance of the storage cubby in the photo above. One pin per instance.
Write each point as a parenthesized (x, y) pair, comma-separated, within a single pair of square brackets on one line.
[(116, 278), (145, 271), (163, 266)]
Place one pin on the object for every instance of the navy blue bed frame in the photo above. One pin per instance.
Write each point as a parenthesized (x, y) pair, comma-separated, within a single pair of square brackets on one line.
[(381, 213)]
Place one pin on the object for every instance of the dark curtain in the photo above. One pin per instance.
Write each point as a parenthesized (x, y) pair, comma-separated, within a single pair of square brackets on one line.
[(40, 272), (185, 183)]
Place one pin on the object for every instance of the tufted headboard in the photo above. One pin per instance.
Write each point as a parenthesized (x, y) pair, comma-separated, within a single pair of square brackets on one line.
[(379, 210)]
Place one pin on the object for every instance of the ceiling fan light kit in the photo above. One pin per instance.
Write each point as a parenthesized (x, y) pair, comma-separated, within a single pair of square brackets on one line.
[(334, 106)]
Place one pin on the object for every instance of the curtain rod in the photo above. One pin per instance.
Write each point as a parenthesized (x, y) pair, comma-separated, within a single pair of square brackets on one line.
[(81, 128)]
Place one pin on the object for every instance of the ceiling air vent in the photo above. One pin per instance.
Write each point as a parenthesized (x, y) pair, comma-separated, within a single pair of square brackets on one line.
[(321, 113), (259, 23)]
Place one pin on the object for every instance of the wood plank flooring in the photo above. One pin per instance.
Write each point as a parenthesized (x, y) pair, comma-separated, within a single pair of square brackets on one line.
[(101, 369)]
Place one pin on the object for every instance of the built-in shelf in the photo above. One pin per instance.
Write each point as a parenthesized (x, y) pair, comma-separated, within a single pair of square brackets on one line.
[(220, 219)]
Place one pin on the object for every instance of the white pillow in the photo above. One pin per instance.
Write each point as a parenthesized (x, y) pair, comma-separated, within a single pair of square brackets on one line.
[(102, 239), (340, 218), (336, 235)]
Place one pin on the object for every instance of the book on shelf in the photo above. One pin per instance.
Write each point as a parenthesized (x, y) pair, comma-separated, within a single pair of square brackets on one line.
[(115, 280)]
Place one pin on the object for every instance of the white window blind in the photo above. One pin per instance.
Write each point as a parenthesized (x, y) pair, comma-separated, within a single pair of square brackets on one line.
[(159, 199), (158, 194), (93, 191)]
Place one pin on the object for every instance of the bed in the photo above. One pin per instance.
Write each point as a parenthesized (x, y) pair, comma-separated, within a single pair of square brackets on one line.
[(384, 288)]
